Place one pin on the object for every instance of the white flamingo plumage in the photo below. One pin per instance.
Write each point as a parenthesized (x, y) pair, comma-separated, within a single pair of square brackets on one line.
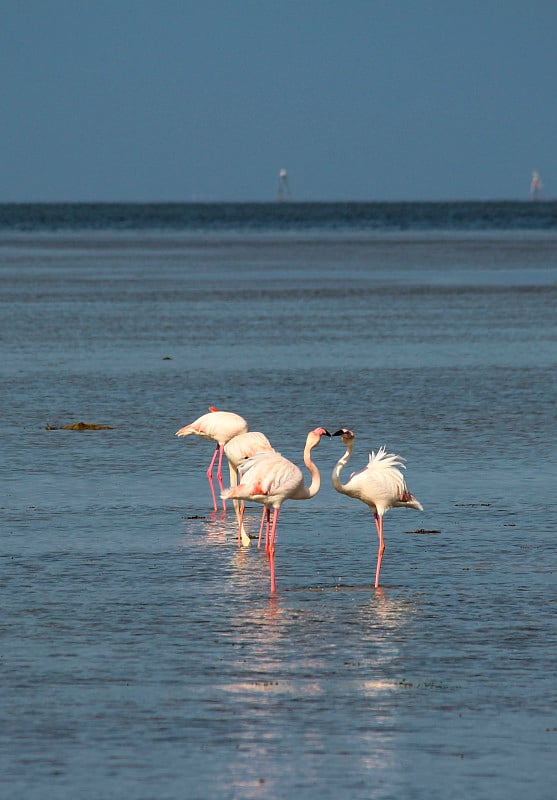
[(237, 450), (380, 485), (270, 479), (220, 427)]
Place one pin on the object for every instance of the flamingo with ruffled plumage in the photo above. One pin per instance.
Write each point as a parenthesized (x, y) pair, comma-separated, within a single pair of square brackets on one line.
[(380, 485)]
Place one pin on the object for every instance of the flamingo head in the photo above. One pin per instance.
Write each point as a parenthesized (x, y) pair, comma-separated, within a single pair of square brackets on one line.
[(314, 437), (347, 435)]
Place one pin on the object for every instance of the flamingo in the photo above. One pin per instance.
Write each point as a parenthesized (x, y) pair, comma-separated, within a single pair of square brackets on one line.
[(220, 426), (380, 485), (270, 479), (239, 448)]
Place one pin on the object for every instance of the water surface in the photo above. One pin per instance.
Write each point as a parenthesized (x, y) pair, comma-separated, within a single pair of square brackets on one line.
[(141, 653)]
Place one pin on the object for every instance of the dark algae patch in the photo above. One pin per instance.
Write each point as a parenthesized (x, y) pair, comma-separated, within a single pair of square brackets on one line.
[(80, 426)]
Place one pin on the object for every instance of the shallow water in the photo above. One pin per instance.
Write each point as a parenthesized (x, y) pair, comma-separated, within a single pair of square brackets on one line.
[(141, 653)]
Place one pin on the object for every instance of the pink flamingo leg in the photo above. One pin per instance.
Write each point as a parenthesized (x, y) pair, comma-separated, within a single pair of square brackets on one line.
[(264, 518), (271, 551), (219, 475), (267, 530), (273, 580), (381, 548), (209, 474)]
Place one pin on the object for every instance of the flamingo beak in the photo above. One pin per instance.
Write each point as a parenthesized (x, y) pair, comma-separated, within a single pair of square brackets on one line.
[(321, 432), (346, 434)]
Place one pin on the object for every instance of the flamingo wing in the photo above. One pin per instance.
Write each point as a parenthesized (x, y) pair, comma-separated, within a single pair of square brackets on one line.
[(380, 483), (268, 475)]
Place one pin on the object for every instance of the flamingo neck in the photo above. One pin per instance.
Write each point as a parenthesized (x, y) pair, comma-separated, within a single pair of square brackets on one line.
[(341, 463), (315, 484)]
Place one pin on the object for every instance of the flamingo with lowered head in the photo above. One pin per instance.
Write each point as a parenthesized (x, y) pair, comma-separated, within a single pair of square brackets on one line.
[(270, 479), (380, 485), (220, 426), (237, 450)]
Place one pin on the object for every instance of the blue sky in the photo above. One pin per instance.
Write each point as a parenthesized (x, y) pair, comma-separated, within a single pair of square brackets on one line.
[(179, 101)]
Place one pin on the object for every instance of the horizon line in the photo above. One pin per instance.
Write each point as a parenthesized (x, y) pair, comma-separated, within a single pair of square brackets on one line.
[(276, 202)]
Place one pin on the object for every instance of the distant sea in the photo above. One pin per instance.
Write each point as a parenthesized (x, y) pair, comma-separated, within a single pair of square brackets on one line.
[(293, 216)]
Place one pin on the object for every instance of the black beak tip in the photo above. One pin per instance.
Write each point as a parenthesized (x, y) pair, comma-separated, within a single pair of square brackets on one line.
[(338, 433)]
